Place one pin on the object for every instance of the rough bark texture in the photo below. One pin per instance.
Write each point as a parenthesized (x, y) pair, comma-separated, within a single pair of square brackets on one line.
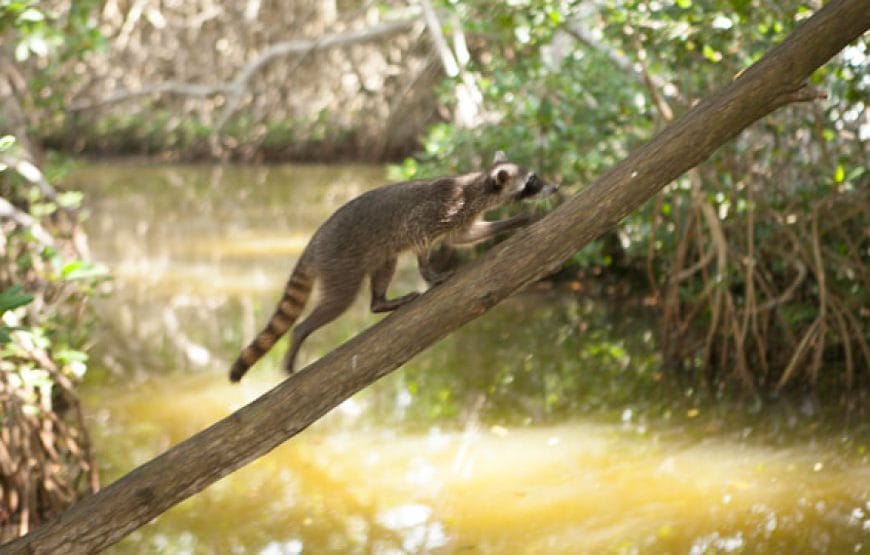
[(147, 491)]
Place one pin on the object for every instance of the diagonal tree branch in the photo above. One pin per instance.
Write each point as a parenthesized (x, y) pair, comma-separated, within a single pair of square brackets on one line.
[(144, 493)]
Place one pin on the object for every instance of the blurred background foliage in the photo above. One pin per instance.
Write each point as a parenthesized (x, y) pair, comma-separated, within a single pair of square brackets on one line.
[(758, 258)]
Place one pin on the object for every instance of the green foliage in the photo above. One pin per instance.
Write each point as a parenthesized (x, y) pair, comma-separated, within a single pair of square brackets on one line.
[(10, 299), (47, 29), (43, 36), (42, 348), (49, 273), (563, 105)]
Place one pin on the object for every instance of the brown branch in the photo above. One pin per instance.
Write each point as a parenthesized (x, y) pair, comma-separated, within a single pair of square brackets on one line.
[(805, 344), (167, 87), (847, 345), (104, 518), (789, 292), (8, 211), (469, 99), (823, 297), (28, 170), (702, 263), (857, 327)]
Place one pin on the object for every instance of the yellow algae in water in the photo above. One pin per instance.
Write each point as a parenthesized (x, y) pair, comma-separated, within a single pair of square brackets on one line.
[(561, 489), (593, 488)]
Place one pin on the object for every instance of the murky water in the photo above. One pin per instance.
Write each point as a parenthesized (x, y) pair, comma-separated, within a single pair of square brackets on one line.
[(542, 427)]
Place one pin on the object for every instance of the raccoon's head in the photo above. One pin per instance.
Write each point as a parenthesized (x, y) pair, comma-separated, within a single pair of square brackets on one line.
[(512, 182)]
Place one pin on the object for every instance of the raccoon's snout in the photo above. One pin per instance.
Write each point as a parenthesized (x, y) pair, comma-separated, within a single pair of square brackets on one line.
[(536, 187)]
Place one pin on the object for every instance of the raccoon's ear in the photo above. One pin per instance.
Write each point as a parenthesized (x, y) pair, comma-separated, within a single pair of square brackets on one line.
[(499, 157), (496, 180)]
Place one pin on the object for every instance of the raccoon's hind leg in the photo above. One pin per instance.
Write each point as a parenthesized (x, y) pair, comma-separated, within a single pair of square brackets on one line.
[(339, 292), (438, 265), (380, 282)]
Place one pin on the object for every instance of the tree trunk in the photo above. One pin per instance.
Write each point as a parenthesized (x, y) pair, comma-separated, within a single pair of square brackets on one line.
[(146, 492)]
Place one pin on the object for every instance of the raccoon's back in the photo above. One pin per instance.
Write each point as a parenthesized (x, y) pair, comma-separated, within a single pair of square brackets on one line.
[(388, 219)]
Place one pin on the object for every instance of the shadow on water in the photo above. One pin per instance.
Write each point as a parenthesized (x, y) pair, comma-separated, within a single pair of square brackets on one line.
[(542, 427)]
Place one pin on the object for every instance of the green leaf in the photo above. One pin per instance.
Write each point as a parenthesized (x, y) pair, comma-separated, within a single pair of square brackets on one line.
[(711, 54), (38, 45), (555, 17), (12, 298), (6, 142), (22, 52), (6, 330), (70, 199), (79, 269), (36, 377), (70, 355), (31, 14), (855, 173)]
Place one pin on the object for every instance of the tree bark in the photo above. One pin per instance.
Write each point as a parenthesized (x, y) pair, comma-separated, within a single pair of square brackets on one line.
[(777, 79)]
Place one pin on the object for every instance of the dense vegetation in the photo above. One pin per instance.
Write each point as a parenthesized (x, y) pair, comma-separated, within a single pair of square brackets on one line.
[(758, 259), (45, 282)]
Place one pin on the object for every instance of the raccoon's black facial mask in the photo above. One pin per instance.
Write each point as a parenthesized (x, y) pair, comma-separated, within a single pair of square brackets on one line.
[(535, 187)]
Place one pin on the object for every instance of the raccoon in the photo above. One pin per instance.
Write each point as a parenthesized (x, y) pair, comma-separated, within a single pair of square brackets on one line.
[(365, 237)]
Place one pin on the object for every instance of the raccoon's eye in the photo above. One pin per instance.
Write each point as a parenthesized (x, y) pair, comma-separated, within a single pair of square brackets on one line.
[(497, 180)]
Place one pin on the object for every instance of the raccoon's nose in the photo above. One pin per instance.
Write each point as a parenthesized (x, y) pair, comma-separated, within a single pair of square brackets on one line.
[(534, 184)]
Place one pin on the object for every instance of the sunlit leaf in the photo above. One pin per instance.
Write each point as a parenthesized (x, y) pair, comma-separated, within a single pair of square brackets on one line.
[(6, 142), (711, 54), (80, 269), (70, 199), (555, 16), (22, 52), (31, 14), (38, 45), (70, 355)]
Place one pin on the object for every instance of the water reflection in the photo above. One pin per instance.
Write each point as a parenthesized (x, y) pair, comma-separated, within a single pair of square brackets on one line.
[(346, 487), (539, 428)]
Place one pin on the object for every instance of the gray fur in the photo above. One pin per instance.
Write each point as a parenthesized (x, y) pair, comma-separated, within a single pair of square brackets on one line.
[(365, 237)]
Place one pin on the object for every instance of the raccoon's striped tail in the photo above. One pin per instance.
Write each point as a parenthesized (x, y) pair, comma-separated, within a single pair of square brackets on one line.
[(290, 306)]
